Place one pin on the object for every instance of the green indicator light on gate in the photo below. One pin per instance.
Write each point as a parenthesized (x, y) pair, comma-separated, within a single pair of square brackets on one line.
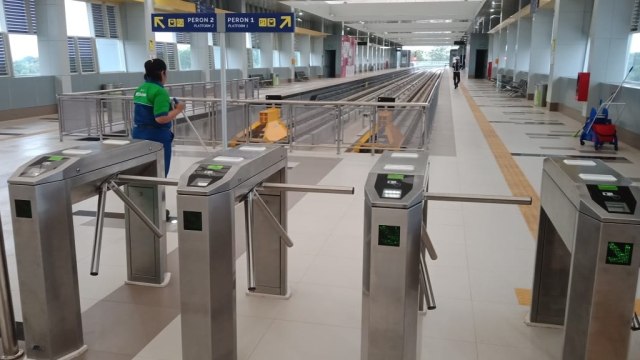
[(395, 177), (215, 167), (607, 187), (619, 253), (55, 158)]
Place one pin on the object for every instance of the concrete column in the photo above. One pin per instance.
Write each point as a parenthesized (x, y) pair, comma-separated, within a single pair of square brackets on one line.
[(237, 53), (200, 55), (304, 46), (511, 49), (523, 49), (317, 51), (285, 45), (150, 39), (52, 43), (368, 60), (609, 39), (569, 40), (502, 52), (134, 37), (266, 50), (540, 54)]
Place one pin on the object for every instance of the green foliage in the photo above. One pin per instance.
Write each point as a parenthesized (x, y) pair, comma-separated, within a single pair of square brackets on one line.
[(420, 55), (26, 66), (439, 54), (184, 56)]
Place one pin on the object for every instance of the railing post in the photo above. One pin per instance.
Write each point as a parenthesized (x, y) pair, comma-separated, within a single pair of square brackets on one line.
[(338, 111)]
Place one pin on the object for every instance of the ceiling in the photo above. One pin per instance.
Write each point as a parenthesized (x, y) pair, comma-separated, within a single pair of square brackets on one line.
[(408, 22)]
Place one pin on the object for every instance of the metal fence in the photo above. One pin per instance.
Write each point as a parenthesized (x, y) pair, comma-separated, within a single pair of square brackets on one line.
[(342, 125), (106, 113)]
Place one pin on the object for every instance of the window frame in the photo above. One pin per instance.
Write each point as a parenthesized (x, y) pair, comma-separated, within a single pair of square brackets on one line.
[(7, 54), (78, 58), (633, 83)]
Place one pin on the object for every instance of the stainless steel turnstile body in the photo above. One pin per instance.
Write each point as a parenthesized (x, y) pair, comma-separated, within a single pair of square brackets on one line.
[(41, 194), (207, 194), (587, 257), (394, 202)]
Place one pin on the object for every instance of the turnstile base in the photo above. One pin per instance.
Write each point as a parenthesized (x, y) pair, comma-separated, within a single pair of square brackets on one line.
[(19, 355), (527, 321), (71, 356), (270, 296), (167, 279)]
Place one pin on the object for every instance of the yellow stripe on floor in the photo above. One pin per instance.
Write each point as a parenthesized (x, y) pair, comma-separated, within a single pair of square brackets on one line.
[(524, 298), (516, 180)]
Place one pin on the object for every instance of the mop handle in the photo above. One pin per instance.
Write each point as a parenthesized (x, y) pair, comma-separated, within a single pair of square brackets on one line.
[(193, 128)]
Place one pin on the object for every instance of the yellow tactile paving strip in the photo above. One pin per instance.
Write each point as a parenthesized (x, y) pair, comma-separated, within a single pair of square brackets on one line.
[(516, 180), (524, 298)]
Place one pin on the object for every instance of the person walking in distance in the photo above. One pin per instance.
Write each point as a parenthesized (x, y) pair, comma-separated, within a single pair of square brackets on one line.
[(456, 72)]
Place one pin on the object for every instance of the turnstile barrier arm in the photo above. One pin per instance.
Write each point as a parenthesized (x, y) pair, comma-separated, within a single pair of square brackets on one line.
[(428, 244), (425, 281), (323, 189), (133, 207), (134, 179), (477, 198), (97, 239), (272, 219), (248, 216)]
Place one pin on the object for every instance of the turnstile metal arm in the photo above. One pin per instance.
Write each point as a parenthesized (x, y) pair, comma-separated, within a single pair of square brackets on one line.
[(324, 189), (635, 322), (248, 220), (428, 244), (133, 179), (97, 239), (476, 198), (272, 219), (425, 281), (133, 207)]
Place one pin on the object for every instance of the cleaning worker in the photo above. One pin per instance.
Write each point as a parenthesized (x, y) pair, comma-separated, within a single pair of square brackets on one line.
[(456, 72), (153, 111)]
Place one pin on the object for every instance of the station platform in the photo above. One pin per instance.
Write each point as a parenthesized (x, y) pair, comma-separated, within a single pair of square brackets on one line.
[(482, 142), (292, 88)]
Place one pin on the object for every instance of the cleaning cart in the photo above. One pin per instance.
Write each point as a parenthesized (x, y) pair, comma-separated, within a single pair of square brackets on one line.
[(599, 129)]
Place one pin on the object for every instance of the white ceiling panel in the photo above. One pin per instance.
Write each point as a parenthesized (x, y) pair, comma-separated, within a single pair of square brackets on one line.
[(385, 17)]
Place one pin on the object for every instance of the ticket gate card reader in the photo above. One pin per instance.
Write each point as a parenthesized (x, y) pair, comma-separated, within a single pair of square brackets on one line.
[(42, 193), (588, 255), (207, 194), (393, 263)]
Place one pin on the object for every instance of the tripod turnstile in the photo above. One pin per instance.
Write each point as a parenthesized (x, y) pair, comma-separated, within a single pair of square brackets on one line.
[(587, 257), (395, 277), (207, 194), (41, 193), (393, 257)]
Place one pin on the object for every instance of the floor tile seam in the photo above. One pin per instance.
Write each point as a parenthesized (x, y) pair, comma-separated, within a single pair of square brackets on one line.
[(318, 324), (22, 136), (257, 344), (504, 158)]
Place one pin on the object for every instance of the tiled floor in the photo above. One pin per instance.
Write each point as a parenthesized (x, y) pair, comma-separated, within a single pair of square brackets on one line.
[(485, 251)]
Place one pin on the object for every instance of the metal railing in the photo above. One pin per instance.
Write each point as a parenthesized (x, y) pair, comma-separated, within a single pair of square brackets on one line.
[(310, 124), (104, 113)]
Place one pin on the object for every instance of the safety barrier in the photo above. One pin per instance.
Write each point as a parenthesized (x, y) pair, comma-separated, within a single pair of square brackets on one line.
[(309, 124), (104, 113)]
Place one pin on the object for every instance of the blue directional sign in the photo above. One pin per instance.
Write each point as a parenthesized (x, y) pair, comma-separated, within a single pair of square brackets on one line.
[(183, 22), (260, 22)]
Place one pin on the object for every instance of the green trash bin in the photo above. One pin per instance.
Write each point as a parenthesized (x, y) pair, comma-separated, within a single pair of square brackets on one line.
[(275, 79), (540, 96)]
